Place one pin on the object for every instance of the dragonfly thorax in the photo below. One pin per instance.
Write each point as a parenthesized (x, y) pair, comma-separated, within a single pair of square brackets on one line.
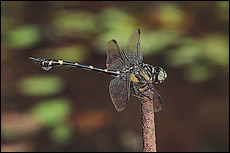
[(146, 73), (157, 74)]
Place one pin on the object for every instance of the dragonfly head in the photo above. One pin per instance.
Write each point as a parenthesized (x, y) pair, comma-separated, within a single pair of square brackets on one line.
[(158, 75)]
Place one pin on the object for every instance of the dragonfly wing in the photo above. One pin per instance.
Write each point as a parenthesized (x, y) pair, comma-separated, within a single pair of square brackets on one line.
[(119, 92), (157, 101), (115, 60), (156, 97), (133, 48)]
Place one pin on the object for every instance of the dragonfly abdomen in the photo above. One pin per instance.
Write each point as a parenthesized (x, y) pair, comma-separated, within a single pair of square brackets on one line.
[(47, 64)]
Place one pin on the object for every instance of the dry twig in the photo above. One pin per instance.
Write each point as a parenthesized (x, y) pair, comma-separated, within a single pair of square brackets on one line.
[(148, 123)]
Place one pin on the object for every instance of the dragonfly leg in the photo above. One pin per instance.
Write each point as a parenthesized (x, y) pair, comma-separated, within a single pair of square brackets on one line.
[(137, 96)]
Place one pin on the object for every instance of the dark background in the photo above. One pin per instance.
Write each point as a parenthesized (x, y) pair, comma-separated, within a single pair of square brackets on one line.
[(69, 109)]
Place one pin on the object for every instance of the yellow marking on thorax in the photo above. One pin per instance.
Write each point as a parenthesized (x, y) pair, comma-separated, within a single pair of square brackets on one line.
[(60, 62), (43, 63), (118, 73), (91, 67), (105, 70), (154, 77), (76, 63), (50, 62), (133, 78), (145, 76)]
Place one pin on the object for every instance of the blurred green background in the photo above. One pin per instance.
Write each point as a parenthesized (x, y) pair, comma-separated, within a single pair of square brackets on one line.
[(69, 109)]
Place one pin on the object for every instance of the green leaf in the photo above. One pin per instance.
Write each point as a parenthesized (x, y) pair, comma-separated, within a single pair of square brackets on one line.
[(189, 53), (154, 41), (52, 112), (61, 133), (198, 73), (41, 85), (73, 53), (23, 37), (118, 26)]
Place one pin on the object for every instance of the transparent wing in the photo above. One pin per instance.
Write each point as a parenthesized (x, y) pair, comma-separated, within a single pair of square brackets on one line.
[(157, 98), (133, 48), (119, 92), (157, 101), (115, 60)]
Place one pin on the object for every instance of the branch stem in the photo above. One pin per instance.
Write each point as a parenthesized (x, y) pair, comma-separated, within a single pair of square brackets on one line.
[(148, 124)]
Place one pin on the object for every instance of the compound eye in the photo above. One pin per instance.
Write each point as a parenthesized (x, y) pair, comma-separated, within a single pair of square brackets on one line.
[(158, 69), (160, 76)]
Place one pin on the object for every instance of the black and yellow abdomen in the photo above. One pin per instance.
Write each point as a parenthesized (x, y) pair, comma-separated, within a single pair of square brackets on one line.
[(48, 63)]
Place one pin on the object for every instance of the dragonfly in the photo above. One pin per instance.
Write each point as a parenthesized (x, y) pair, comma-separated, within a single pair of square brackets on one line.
[(127, 67)]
